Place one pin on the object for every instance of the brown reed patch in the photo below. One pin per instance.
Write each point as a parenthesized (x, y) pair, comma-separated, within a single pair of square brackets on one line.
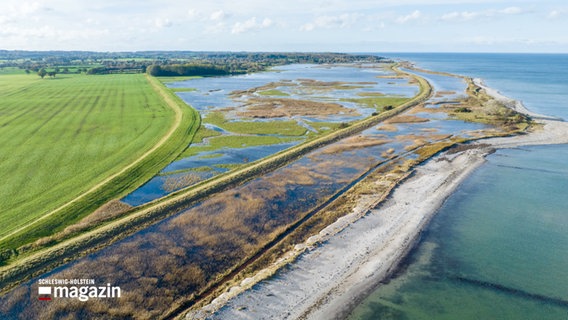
[(173, 183), (440, 94), (388, 128), (423, 109), (283, 107), (428, 137), (389, 153), (429, 130), (406, 119), (106, 212), (354, 143)]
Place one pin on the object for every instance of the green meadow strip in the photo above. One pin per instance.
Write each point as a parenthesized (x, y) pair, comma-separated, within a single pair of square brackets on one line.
[(75, 125)]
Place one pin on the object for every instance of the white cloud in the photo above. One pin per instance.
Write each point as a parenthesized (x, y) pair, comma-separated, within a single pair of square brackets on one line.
[(470, 15), (511, 10), (40, 24), (40, 32), (341, 21), (218, 15), (163, 23), (5, 19), (410, 17), (51, 33), (192, 14), (216, 28), (556, 14), (28, 8), (251, 24), (461, 16), (19, 10)]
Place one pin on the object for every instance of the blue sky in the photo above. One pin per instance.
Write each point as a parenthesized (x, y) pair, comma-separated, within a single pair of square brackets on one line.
[(286, 25)]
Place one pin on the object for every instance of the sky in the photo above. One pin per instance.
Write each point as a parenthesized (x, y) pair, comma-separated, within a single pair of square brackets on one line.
[(286, 25)]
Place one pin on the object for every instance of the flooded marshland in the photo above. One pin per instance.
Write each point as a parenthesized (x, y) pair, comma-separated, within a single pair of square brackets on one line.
[(171, 261), (285, 107)]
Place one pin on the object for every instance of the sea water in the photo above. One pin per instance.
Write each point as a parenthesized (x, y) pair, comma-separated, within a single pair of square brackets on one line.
[(540, 81), (498, 248)]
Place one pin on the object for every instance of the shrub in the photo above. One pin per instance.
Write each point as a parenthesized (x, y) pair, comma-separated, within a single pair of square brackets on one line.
[(463, 110)]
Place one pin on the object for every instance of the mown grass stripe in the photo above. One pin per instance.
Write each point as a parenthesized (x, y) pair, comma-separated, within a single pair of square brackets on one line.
[(139, 126), (43, 128)]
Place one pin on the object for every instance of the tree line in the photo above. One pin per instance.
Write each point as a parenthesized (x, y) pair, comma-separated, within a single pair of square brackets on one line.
[(189, 70), (171, 63)]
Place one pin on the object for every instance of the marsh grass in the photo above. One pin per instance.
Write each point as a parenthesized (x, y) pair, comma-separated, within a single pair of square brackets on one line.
[(479, 107), (166, 80), (178, 181), (406, 119), (354, 143), (378, 101), (388, 128), (273, 92), (286, 107), (322, 127), (204, 133), (109, 211), (441, 94), (279, 127), (183, 89), (236, 141)]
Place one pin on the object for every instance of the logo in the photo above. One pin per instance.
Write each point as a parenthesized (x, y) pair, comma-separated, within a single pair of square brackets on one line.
[(44, 293), (80, 289)]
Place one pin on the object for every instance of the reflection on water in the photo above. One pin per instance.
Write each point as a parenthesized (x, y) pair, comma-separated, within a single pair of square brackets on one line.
[(214, 160)]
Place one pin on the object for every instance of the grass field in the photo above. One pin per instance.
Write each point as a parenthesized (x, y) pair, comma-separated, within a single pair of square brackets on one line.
[(246, 133), (378, 102), (61, 137), (279, 127)]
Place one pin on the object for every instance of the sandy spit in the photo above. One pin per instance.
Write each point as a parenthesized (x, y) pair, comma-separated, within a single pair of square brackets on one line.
[(337, 268)]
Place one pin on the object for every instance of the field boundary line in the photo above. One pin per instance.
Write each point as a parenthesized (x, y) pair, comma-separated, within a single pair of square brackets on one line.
[(175, 125)]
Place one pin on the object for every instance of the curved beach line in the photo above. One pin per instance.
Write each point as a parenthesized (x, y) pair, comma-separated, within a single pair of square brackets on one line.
[(513, 104)]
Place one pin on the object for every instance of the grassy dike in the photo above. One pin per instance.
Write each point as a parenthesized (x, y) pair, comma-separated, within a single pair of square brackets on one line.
[(90, 241), (129, 178)]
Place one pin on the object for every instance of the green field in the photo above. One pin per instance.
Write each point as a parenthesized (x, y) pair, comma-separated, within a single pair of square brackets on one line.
[(280, 127), (243, 134), (61, 137)]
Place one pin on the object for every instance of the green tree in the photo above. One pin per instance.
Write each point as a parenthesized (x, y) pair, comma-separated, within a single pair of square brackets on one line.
[(42, 73), (154, 70)]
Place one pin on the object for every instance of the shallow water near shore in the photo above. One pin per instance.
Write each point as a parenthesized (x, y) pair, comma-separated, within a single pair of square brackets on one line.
[(540, 81), (496, 249)]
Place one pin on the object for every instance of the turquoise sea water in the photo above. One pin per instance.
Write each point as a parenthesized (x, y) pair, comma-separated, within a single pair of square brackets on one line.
[(498, 248)]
